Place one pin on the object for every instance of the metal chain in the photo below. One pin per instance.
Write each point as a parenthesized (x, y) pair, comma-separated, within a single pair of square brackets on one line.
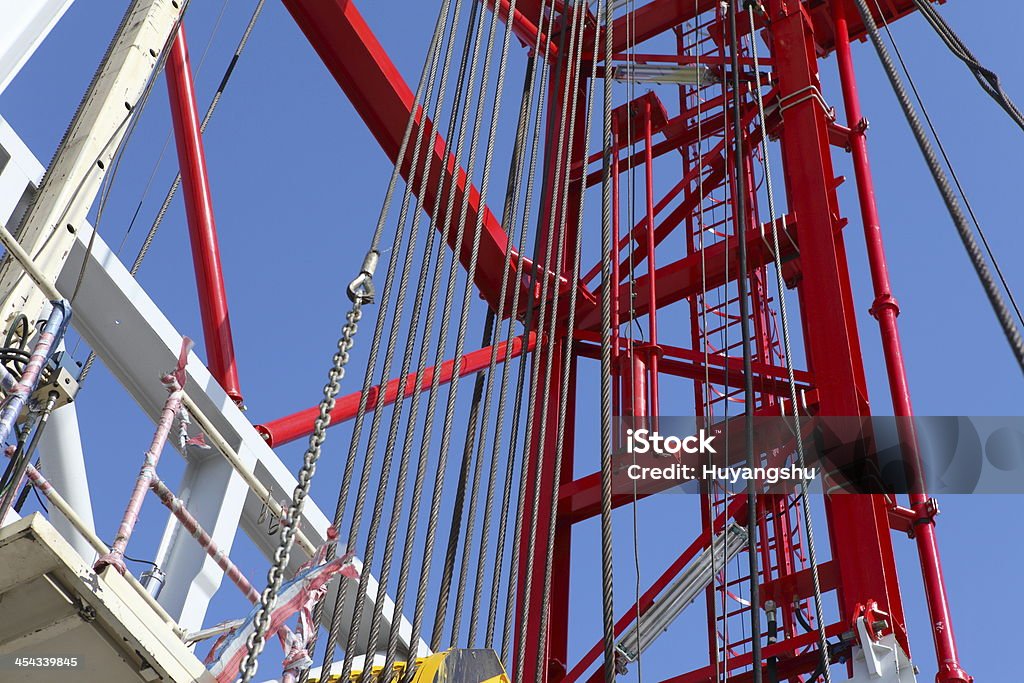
[(360, 295), (424, 94)]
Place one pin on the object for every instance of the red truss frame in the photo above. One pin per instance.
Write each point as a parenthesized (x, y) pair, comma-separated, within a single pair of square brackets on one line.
[(798, 36)]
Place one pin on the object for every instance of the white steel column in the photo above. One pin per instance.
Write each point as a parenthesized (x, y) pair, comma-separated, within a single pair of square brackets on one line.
[(63, 463), (23, 25)]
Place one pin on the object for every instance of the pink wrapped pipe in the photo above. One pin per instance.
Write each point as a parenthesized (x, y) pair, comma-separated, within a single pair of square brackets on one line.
[(175, 383)]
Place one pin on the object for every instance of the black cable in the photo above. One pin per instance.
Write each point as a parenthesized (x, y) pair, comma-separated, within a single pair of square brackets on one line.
[(748, 388), (482, 378), (607, 240), (942, 182), (15, 355), (953, 173), (988, 79)]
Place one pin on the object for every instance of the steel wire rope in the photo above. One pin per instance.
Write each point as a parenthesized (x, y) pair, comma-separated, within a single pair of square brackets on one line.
[(631, 192), (399, 497), (411, 426), (460, 490), (396, 512), (552, 270), (151, 235), (952, 169), (386, 464), (538, 117), (424, 97), (942, 182), (723, 304), (509, 216), (467, 299), (511, 196), (788, 354), (361, 292), (568, 353), (531, 317), (988, 79), (399, 600), (469, 447), (607, 576)]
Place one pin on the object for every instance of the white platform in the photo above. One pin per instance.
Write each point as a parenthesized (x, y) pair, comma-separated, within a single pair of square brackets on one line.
[(55, 606)]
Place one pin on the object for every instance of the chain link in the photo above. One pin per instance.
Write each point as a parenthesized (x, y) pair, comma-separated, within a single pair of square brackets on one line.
[(361, 292)]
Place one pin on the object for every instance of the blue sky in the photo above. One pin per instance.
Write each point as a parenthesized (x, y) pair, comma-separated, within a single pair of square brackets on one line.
[(297, 182)]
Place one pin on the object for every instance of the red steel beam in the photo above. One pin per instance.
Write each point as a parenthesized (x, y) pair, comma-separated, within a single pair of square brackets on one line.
[(685, 277), (292, 427), (525, 24), (885, 310), (860, 537), (699, 544), (655, 18), (695, 365), (358, 62), (202, 228), (658, 16)]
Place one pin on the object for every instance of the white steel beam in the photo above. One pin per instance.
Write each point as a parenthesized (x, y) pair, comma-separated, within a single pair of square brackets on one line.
[(69, 188), (23, 25), (137, 342)]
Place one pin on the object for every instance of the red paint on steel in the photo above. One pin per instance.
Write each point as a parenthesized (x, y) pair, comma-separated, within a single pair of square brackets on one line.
[(354, 56), (202, 228), (291, 427), (885, 310)]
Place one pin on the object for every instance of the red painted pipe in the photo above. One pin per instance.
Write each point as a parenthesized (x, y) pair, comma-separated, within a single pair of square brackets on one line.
[(652, 314), (202, 228), (300, 424), (885, 310), (206, 542), (613, 288)]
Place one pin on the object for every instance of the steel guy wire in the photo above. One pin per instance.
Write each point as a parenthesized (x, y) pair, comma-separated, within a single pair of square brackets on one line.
[(509, 214), (607, 583), (151, 235), (413, 516), (949, 197), (467, 297), (551, 272), (489, 338), (374, 431), (568, 353), (949, 163), (805, 504), (424, 93), (459, 114), (536, 144), (403, 473), (987, 78), (441, 344)]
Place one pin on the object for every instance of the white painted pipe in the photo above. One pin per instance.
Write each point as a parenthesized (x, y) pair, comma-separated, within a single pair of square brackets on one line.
[(60, 450)]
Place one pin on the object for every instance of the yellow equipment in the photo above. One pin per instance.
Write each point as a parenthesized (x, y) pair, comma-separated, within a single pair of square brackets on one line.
[(451, 666)]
